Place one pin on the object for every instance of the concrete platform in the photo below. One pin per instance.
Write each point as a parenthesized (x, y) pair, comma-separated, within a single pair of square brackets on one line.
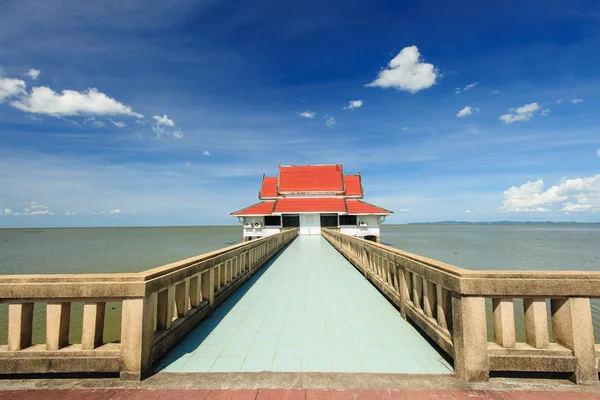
[(308, 310)]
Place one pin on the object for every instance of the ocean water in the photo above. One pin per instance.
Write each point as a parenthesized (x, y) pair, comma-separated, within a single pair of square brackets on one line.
[(96, 250)]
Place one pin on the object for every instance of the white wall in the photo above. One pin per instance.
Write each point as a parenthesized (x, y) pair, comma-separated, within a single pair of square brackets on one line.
[(263, 231), (373, 227), (310, 224)]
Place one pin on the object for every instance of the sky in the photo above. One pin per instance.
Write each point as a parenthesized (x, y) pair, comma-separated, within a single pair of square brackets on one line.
[(144, 112)]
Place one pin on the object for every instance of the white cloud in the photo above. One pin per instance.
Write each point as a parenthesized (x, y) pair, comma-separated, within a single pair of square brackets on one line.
[(598, 152), (572, 195), (188, 164), (114, 211), (470, 86), (94, 121), (404, 210), (407, 72), (164, 120), (307, 114), (43, 100), (31, 208), (496, 92), (559, 101), (468, 110), (457, 90), (524, 113), (206, 153), (162, 123), (330, 121), (545, 112), (33, 73), (70, 213), (5, 210), (118, 124), (10, 87), (354, 104), (575, 101), (468, 212)]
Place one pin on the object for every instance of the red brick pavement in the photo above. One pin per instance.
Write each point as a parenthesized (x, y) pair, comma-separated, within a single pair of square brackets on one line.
[(162, 394)]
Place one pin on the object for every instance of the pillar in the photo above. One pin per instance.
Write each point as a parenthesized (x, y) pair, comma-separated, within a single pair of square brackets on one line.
[(470, 338), (137, 336)]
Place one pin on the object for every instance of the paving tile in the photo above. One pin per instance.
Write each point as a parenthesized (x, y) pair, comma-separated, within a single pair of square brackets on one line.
[(228, 364), (257, 364), (270, 394), (202, 364), (287, 364)]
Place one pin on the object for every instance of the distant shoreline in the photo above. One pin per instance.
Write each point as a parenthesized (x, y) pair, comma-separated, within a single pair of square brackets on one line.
[(35, 229)]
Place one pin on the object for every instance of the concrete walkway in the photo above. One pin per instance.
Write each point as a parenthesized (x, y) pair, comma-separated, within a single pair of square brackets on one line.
[(308, 310)]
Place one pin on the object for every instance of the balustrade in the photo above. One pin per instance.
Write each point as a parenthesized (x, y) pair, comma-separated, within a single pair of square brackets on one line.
[(448, 303), (158, 307)]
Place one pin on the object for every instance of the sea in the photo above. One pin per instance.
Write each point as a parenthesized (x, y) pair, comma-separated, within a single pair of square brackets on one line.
[(529, 246)]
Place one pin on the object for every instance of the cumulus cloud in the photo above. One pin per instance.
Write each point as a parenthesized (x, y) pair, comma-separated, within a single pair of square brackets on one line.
[(407, 72), (468, 110), (43, 100), (468, 212), (330, 122), (164, 120), (5, 210), (572, 195), (575, 101), (206, 153), (354, 104), (31, 208), (10, 87), (520, 114), (598, 152), (33, 73), (307, 114), (545, 112)]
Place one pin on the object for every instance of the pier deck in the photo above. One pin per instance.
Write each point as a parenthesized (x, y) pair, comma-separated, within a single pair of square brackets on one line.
[(307, 310)]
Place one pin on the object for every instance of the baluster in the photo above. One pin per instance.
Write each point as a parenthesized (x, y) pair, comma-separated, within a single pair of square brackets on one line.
[(195, 291), (429, 298), (20, 322), (404, 293), (208, 286), (58, 318), (572, 327), (164, 311), (504, 322), (409, 285), (536, 322), (417, 287), (182, 298), (93, 325), (444, 308)]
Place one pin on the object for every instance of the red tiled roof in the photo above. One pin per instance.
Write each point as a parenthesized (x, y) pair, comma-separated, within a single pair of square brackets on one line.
[(269, 187), (262, 208), (353, 185), (310, 178), (360, 207), (288, 205)]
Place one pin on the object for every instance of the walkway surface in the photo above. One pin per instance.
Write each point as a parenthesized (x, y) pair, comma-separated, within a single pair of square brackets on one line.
[(114, 394), (307, 310)]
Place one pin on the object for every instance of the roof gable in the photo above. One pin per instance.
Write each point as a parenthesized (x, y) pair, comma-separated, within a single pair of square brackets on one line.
[(311, 178), (268, 188), (262, 208), (353, 185), (360, 207)]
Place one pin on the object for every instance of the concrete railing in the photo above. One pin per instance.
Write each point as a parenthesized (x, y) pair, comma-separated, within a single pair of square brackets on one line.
[(159, 307), (449, 304)]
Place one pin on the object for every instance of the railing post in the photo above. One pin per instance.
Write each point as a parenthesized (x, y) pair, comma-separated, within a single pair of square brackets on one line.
[(195, 290), (93, 325), (572, 328), (444, 307), (470, 338), (182, 297), (20, 322), (58, 318), (165, 308), (536, 323), (137, 336), (504, 322)]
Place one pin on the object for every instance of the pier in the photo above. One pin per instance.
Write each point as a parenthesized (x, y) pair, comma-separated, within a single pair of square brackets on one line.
[(329, 303)]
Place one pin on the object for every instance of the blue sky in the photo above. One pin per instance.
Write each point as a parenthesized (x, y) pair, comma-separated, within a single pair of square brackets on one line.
[(167, 113)]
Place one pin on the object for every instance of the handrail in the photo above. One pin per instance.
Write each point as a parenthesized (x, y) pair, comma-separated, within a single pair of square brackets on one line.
[(449, 304), (178, 294)]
